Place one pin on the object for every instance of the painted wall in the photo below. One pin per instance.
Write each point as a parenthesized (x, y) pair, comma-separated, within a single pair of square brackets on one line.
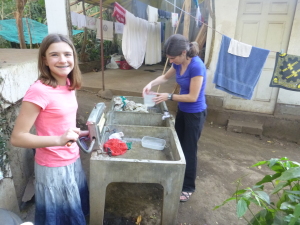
[(285, 96), (226, 16)]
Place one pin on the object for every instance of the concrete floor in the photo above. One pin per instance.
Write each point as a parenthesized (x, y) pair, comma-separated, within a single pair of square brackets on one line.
[(128, 80)]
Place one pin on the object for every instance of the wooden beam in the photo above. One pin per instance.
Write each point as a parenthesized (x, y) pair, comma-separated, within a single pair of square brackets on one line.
[(94, 14), (91, 6), (187, 19)]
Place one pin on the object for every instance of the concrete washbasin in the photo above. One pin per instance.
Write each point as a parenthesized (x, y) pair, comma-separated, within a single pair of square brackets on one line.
[(138, 165)]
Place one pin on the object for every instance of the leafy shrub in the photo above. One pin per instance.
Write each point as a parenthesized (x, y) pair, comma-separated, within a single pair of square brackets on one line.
[(285, 208)]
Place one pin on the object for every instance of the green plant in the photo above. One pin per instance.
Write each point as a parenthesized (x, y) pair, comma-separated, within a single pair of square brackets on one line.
[(281, 206)]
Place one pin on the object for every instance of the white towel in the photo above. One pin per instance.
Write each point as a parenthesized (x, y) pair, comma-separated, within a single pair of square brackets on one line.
[(153, 49), (152, 14), (107, 28), (119, 28), (90, 23), (239, 49), (134, 40)]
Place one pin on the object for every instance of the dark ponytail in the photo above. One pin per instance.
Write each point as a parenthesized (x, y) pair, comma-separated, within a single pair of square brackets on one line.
[(194, 49), (177, 43)]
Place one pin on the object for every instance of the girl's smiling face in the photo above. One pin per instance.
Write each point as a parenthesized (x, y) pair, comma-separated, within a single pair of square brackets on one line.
[(59, 58)]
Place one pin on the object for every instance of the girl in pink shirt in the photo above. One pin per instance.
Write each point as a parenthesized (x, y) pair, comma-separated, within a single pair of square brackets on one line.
[(61, 191)]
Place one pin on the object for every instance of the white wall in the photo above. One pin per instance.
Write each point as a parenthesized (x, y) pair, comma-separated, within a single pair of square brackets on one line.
[(286, 96), (226, 17), (56, 16)]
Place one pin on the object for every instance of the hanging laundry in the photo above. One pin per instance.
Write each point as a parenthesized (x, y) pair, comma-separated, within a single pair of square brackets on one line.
[(237, 75), (174, 19), (74, 18), (198, 17), (153, 49), (196, 3), (152, 14), (119, 13), (78, 20), (134, 40), (162, 14), (119, 27), (107, 29), (239, 48), (81, 21), (91, 23), (139, 9), (286, 72), (162, 31)]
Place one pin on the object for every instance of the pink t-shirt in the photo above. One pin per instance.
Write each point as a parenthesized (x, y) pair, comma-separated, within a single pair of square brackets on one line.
[(58, 113)]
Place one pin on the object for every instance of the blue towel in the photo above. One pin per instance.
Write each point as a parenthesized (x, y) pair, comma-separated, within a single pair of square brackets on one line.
[(237, 75)]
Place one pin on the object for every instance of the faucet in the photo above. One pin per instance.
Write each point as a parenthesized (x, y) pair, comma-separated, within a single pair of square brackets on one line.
[(166, 115)]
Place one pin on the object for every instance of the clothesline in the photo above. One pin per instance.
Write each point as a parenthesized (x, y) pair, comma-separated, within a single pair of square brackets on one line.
[(201, 21)]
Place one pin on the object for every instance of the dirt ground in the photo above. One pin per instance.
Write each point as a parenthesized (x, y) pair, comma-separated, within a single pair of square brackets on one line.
[(223, 157)]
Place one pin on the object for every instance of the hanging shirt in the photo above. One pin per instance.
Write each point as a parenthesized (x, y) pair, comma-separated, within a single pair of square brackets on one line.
[(119, 28), (119, 13), (174, 19), (134, 40), (91, 23), (107, 29), (139, 9), (163, 14), (238, 75), (152, 14), (153, 49), (81, 21)]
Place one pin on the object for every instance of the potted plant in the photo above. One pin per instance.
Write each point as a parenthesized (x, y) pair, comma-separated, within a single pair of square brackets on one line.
[(281, 204)]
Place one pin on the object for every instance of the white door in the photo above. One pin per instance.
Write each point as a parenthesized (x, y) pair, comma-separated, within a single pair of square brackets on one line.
[(265, 24)]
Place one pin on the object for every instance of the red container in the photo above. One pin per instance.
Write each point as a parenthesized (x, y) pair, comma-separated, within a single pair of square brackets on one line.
[(124, 65)]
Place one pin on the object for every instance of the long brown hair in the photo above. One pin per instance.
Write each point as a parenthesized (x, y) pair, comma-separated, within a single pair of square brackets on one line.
[(45, 74)]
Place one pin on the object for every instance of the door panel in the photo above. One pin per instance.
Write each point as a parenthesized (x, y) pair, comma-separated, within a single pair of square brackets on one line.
[(265, 24)]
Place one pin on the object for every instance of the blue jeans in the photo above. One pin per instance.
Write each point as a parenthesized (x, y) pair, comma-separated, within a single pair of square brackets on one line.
[(189, 127)]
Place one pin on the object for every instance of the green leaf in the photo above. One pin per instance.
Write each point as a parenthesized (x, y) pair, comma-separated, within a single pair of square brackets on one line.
[(278, 168), (286, 206), (273, 161), (239, 192), (290, 174), (284, 158), (241, 208), (296, 215), (263, 195), (279, 218), (227, 200), (293, 192), (268, 178), (259, 163), (279, 186)]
